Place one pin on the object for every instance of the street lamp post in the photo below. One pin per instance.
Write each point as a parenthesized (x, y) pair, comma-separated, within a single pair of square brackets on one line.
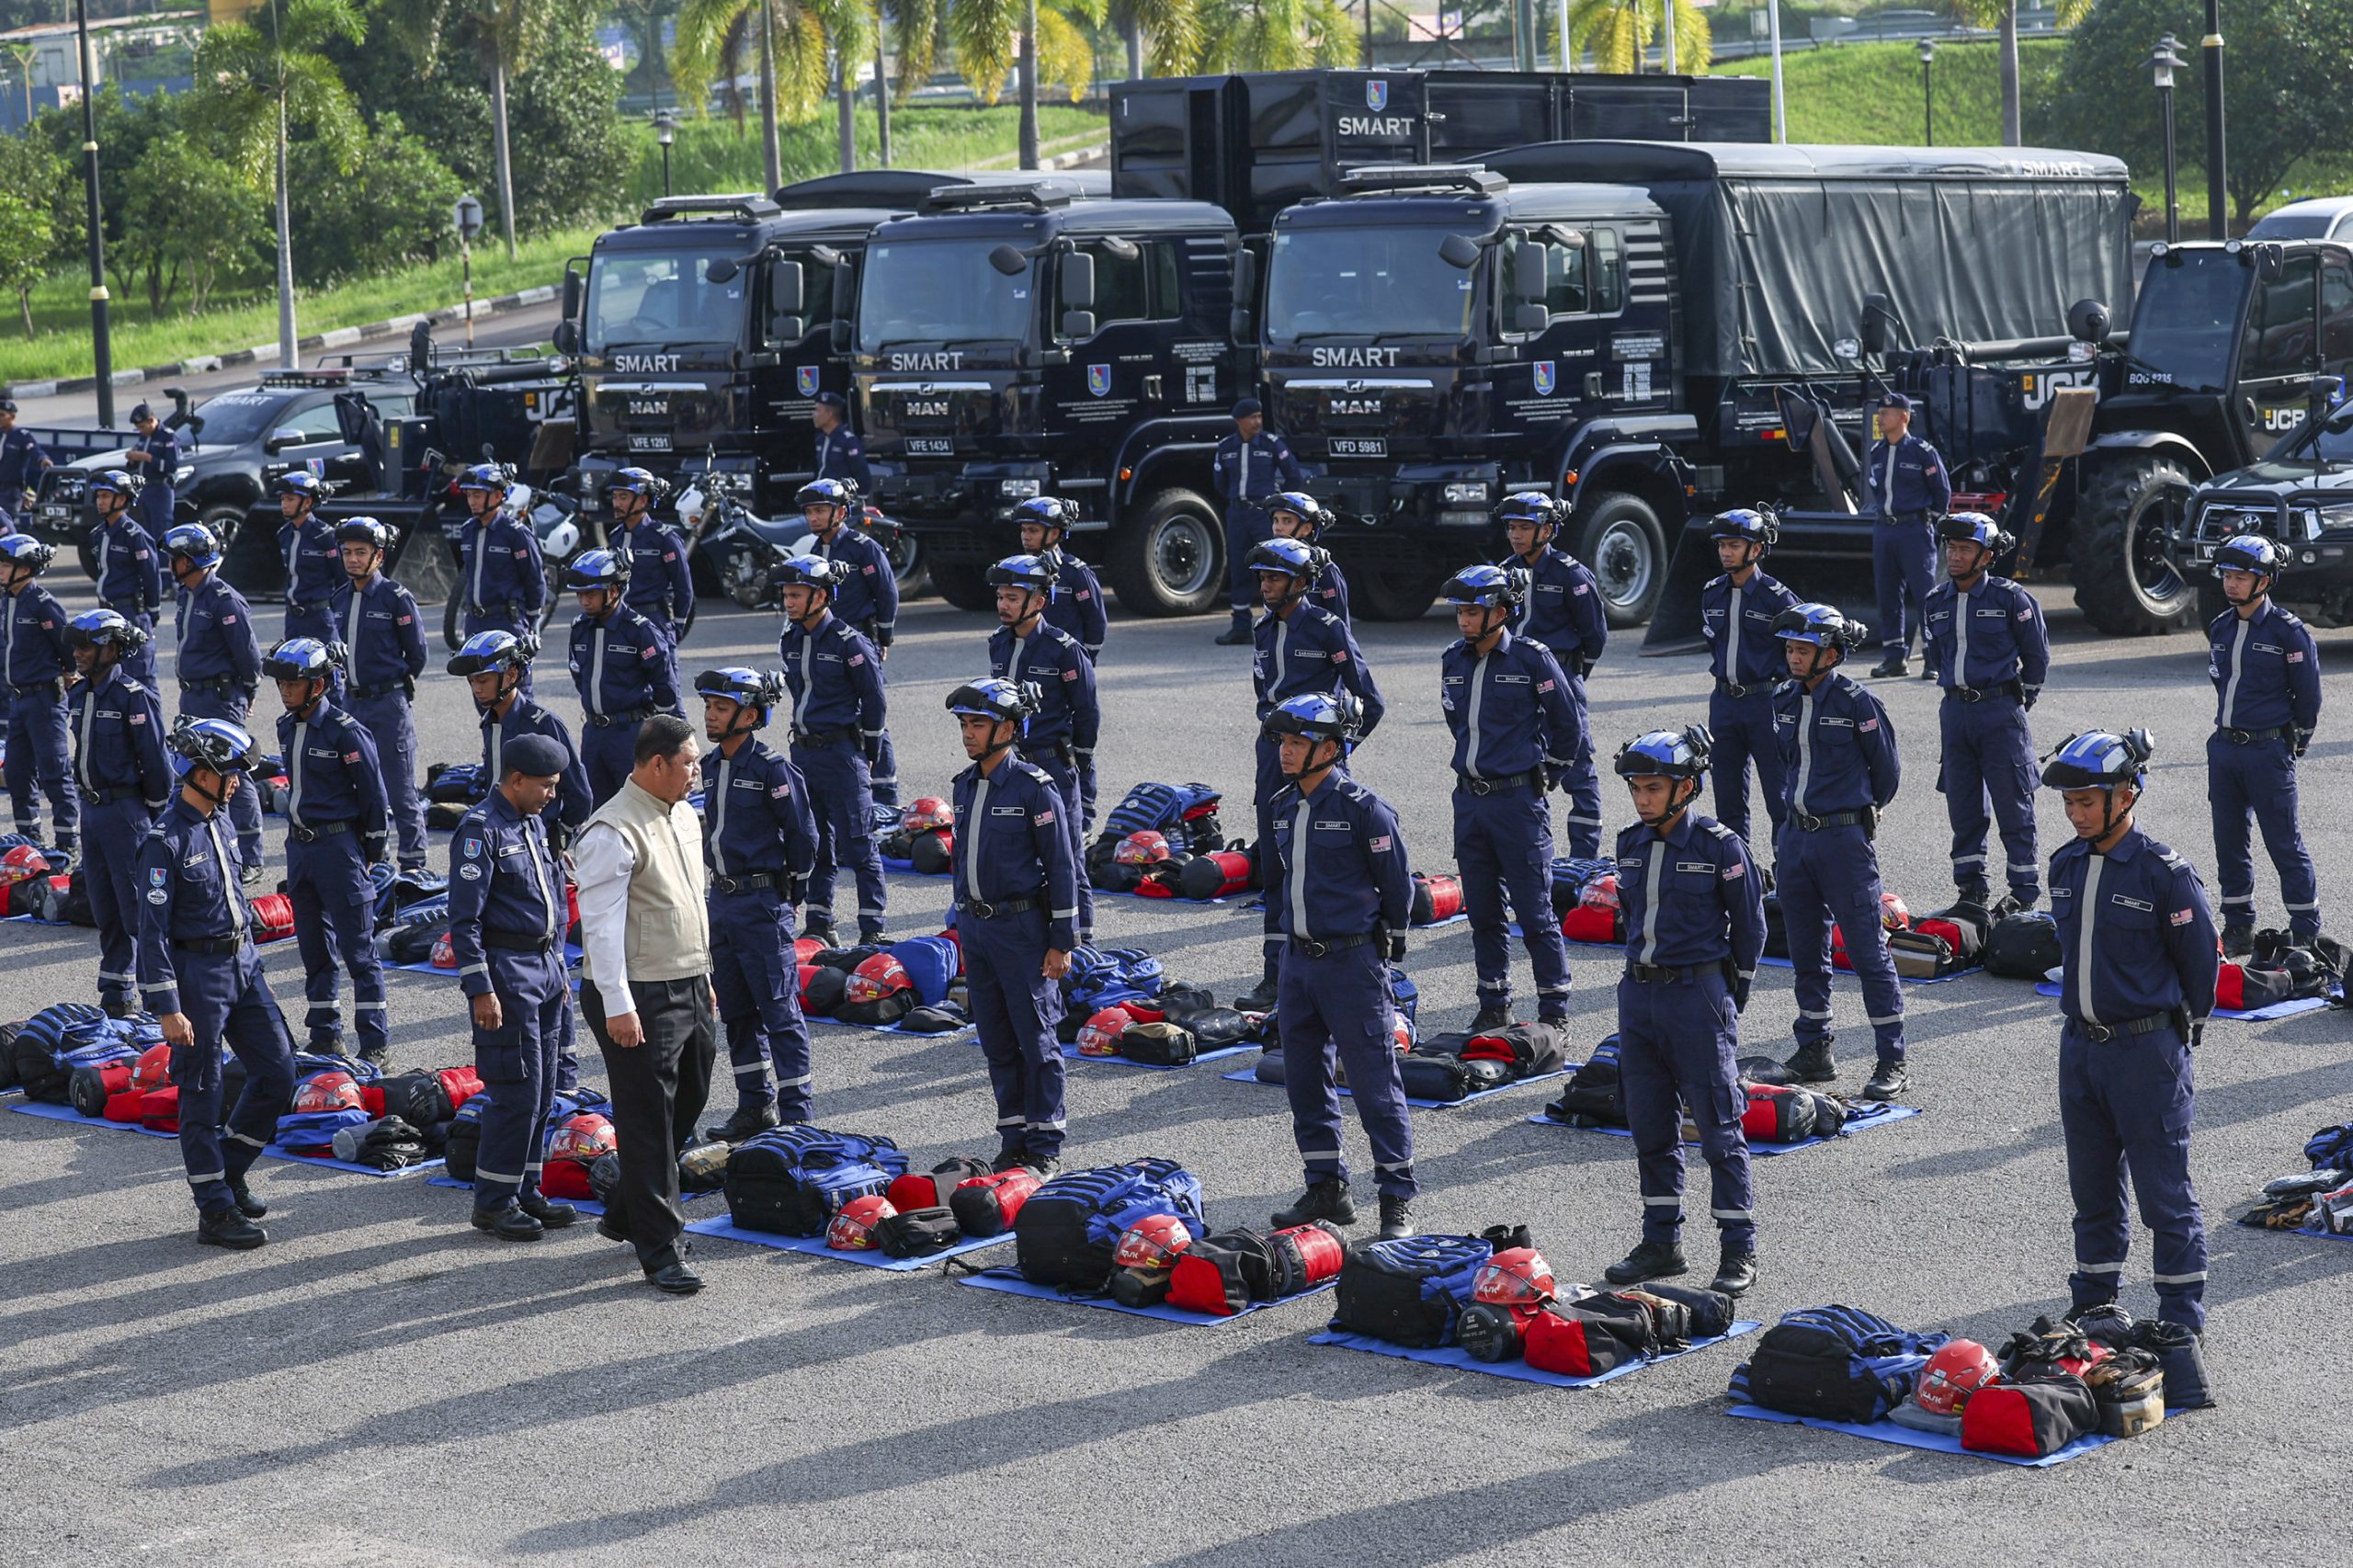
[(1928, 91), (2163, 62), (666, 131), (2218, 206), (467, 216), (101, 338)]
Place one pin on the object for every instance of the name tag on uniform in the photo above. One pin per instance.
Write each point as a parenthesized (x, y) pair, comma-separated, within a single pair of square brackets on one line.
[(2267, 647), (196, 859), (746, 784), (329, 752), (1694, 866), (1331, 827), (1842, 723), (2140, 903), (1630, 864), (1008, 812), (1450, 680), (1511, 680), (1995, 614), (2062, 892)]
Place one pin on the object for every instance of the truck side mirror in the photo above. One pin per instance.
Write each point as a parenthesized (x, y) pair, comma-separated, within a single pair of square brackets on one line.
[(788, 329), (1009, 261), (840, 339), (1531, 273), (1529, 317), (566, 338), (285, 436), (1876, 308), (1245, 275), (1078, 285), (787, 287), (1239, 327), (1458, 251), (2087, 321), (572, 290), (1079, 324)]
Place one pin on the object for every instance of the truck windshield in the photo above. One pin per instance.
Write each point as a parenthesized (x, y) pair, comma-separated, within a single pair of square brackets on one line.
[(640, 300), (236, 418), (2187, 319), (939, 291), (2334, 439), (1328, 282)]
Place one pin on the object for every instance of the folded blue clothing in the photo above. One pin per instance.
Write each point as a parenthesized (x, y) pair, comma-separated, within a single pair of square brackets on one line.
[(726, 1229), (1901, 979), (1250, 1076), (1905, 1436), (1072, 1053), (1009, 1282), (1459, 1359), (1859, 1120), (2253, 1016)]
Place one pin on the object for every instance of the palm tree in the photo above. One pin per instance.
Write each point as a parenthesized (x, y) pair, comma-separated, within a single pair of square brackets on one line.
[(509, 31), (2004, 14), (253, 82), (1162, 36), (796, 40), (1616, 33), (1276, 35)]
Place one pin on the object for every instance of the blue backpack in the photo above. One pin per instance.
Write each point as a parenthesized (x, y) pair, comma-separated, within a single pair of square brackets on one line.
[(792, 1180), (1186, 813), (2330, 1149), (1836, 1363), (1066, 1232), (1099, 977), (52, 1043), (1409, 1291)]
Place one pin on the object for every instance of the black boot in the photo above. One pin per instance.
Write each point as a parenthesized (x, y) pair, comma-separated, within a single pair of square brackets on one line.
[(1812, 1063), (1237, 635), (1493, 1016), (550, 1216), (1894, 664), (1652, 1260), (1887, 1080), (1736, 1273), (870, 933), (252, 1208), (1397, 1218), (226, 1228), (2238, 940), (509, 1224), (1262, 999), (819, 928), (747, 1121), (1325, 1199)]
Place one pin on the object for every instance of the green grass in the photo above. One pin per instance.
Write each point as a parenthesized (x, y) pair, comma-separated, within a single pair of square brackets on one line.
[(708, 156)]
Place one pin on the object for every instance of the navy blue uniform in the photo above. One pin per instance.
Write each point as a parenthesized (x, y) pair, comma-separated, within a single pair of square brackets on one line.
[(1906, 487), (1990, 651), (336, 820), (1345, 871), (155, 500), (1747, 662), (1293, 655), (313, 572), (1564, 611), (384, 640), (220, 670), (572, 800), (33, 661), (2139, 962), (1838, 752), (130, 582), (503, 577), (1515, 725), (839, 713), (1695, 927), (621, 666), (1246, 472), (1016, 895), (841, 455), (506, 921), (2266, 671), (869, 599), (1060, 738), (21, 460), (196, 955), (119, 764), (760, 842), (1076, 606), (661, 584)]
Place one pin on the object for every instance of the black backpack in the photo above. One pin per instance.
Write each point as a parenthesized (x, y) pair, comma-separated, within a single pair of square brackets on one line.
[(2023, 946), (1839, 1363), (917, 1232), (1593, 1097), (1410, 1291)]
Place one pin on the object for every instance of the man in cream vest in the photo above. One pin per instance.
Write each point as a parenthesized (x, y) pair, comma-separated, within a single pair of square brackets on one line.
[(646, 987)]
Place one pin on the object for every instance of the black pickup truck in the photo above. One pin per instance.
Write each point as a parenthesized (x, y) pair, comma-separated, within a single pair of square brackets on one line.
[(2300, 493)]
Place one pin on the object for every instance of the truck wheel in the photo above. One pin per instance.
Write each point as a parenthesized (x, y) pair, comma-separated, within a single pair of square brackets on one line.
[(225, 518), (2125, 583), (907, 565), (453, 622), (1618, 536), (88, 555), (965, 584), (1169, 557), (1392, 591)]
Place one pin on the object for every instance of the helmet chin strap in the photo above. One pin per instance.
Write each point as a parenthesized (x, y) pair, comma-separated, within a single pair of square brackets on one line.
[(1674, 808), (996, 746), (311, 703), (1298, 592), (1311, 765), (219, 799)]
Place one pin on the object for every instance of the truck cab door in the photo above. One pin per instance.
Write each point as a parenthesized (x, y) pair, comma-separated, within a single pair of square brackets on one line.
[(2276, 350), (1115, 314)]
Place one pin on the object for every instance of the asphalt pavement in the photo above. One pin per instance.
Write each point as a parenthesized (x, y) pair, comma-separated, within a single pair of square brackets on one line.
[(382, 1385)]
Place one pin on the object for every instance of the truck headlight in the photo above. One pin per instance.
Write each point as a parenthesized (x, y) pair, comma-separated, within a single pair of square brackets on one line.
[(2326, 516), (1017, 489), (1474, 492)]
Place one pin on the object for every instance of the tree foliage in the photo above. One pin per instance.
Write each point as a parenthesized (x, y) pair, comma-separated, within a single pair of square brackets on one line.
[(30, 178)]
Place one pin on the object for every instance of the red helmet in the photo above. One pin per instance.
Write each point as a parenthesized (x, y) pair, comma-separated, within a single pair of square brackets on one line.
[(805, 949), (1146, 846), (153, 1068), (1515, 1276), (1952, 1374), (926, 813), (1601, 892), (583, 1136), (878, 977), (853, 1226), (21, 864), (327, 1091), (1152, 1244), (1099, 1036), (444, 955), (1402, 1033), (1893, 913)]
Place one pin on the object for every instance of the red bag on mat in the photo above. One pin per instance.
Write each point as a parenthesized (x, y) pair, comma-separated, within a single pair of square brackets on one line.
[(274, 917), (1436, 898), (463, 1083), (2033, 1418)]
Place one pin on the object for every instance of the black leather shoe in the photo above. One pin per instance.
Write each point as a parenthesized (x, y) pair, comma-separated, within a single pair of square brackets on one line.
[(1326, 1200), (1234, 636), (1260, 999), (377, 1056), (610, 1228), (1887, 1080), (2238, 941), (1009, 1160), (227, 1228), (509, 1224), (1043, 1165), (1812, 1063), (1735, 1274), (1397, 1218), (747, 1121), (677, 1278), (1894, 664), (818, 930), (252, 1208), (872, 935), (1493, 1016), (550, 1216), (1652, 1260)]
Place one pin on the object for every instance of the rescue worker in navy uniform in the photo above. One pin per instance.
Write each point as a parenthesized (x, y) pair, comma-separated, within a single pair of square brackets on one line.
[(1985, 641), (156, 460), (1838, 753), (384, 642), (2265, 670), (1904, 487), (840, 454), (34, 661), (21, 461), (1060, 737), (621, 666), (337, 821), (491, 665), (201, 978), (761, 843), (660, 582), (1564, 610), (866, 596), (1695, 927), (1298, 649), (312, 554), (2137, 983), (503, 575), (1294, 513), (1077, 605), (130, 567), (1507, 701), (507, 923), (124, 779), (1348, 893), (219, 663), (1252, 464), (839, 709), (1736, 615), (1016, 895)]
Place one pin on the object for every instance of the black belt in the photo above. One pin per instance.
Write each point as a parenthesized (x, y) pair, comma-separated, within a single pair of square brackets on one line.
[(312, 609), (1834, 819), (1661, 974), (632, 716), (128, 612), (1001, 907), (303, 833), (1323, 948), (821, 737), (1494, 786), (511, 608), (1061, 751), (2102, 1033), (222, 688), (109, 797), (751, 883), (2010, 689), (1733, 689), (54, 687), (517, 941), (2248, 737), (210, 947), (386, 689)]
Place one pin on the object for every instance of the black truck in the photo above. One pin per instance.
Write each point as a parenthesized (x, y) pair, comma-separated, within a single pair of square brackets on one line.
[(2300, 493), (1022, 340)]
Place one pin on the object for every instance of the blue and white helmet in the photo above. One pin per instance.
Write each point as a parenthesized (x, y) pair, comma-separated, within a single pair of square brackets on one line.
[(495, 649), (368, 532), (813, 572), (1292, 557), (121, 481), (301, 482), (1028, 572), (1821, 625), (2258, 553), (1746, 523), (1487, 588), (1667, 754), (1319, 715), (1974, 527), (23, 549), (215, 743), (2099, 759), (1529, 506), (97, 626), (996, 698), (595, 569), (745, 686), (302, 658), (496, 477), (826, 493), (194, 541), (1047, 512)]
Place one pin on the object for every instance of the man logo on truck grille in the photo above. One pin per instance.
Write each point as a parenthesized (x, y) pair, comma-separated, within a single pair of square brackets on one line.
[(1545, 379), (1376, 95), (1098, 380), (805, 377)]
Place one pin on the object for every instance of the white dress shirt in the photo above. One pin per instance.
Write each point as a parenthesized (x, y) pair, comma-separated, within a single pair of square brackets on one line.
[(602, 862)]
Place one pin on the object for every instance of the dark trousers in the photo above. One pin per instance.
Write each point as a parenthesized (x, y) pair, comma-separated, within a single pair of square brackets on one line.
[(659, 1088), (227, 1001), (392, 724), (2125, 1106), (1503, 844), (2257, 780), (245, 806), (841, 794), (1989, 757), (1246, 528), (1830, 877), (1678, 1043), (757, 982), (109, 869), (1903, 568), (1335, 1012), (310, 620), (1743, 728), (1015, 1008), (1582, 784), (884, 775), (40, 762), (607, 751), (516, 1061), (334, 913), (1066, 783)]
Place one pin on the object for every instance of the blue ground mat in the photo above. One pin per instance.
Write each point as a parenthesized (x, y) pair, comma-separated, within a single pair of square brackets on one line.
[(67, 1113), (2253, 1016), (1880, 1116), (1072, 1053), (726, 1229), (1905, 1436), (1009, 1282), (1459, 1359), (1250, 1076)]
